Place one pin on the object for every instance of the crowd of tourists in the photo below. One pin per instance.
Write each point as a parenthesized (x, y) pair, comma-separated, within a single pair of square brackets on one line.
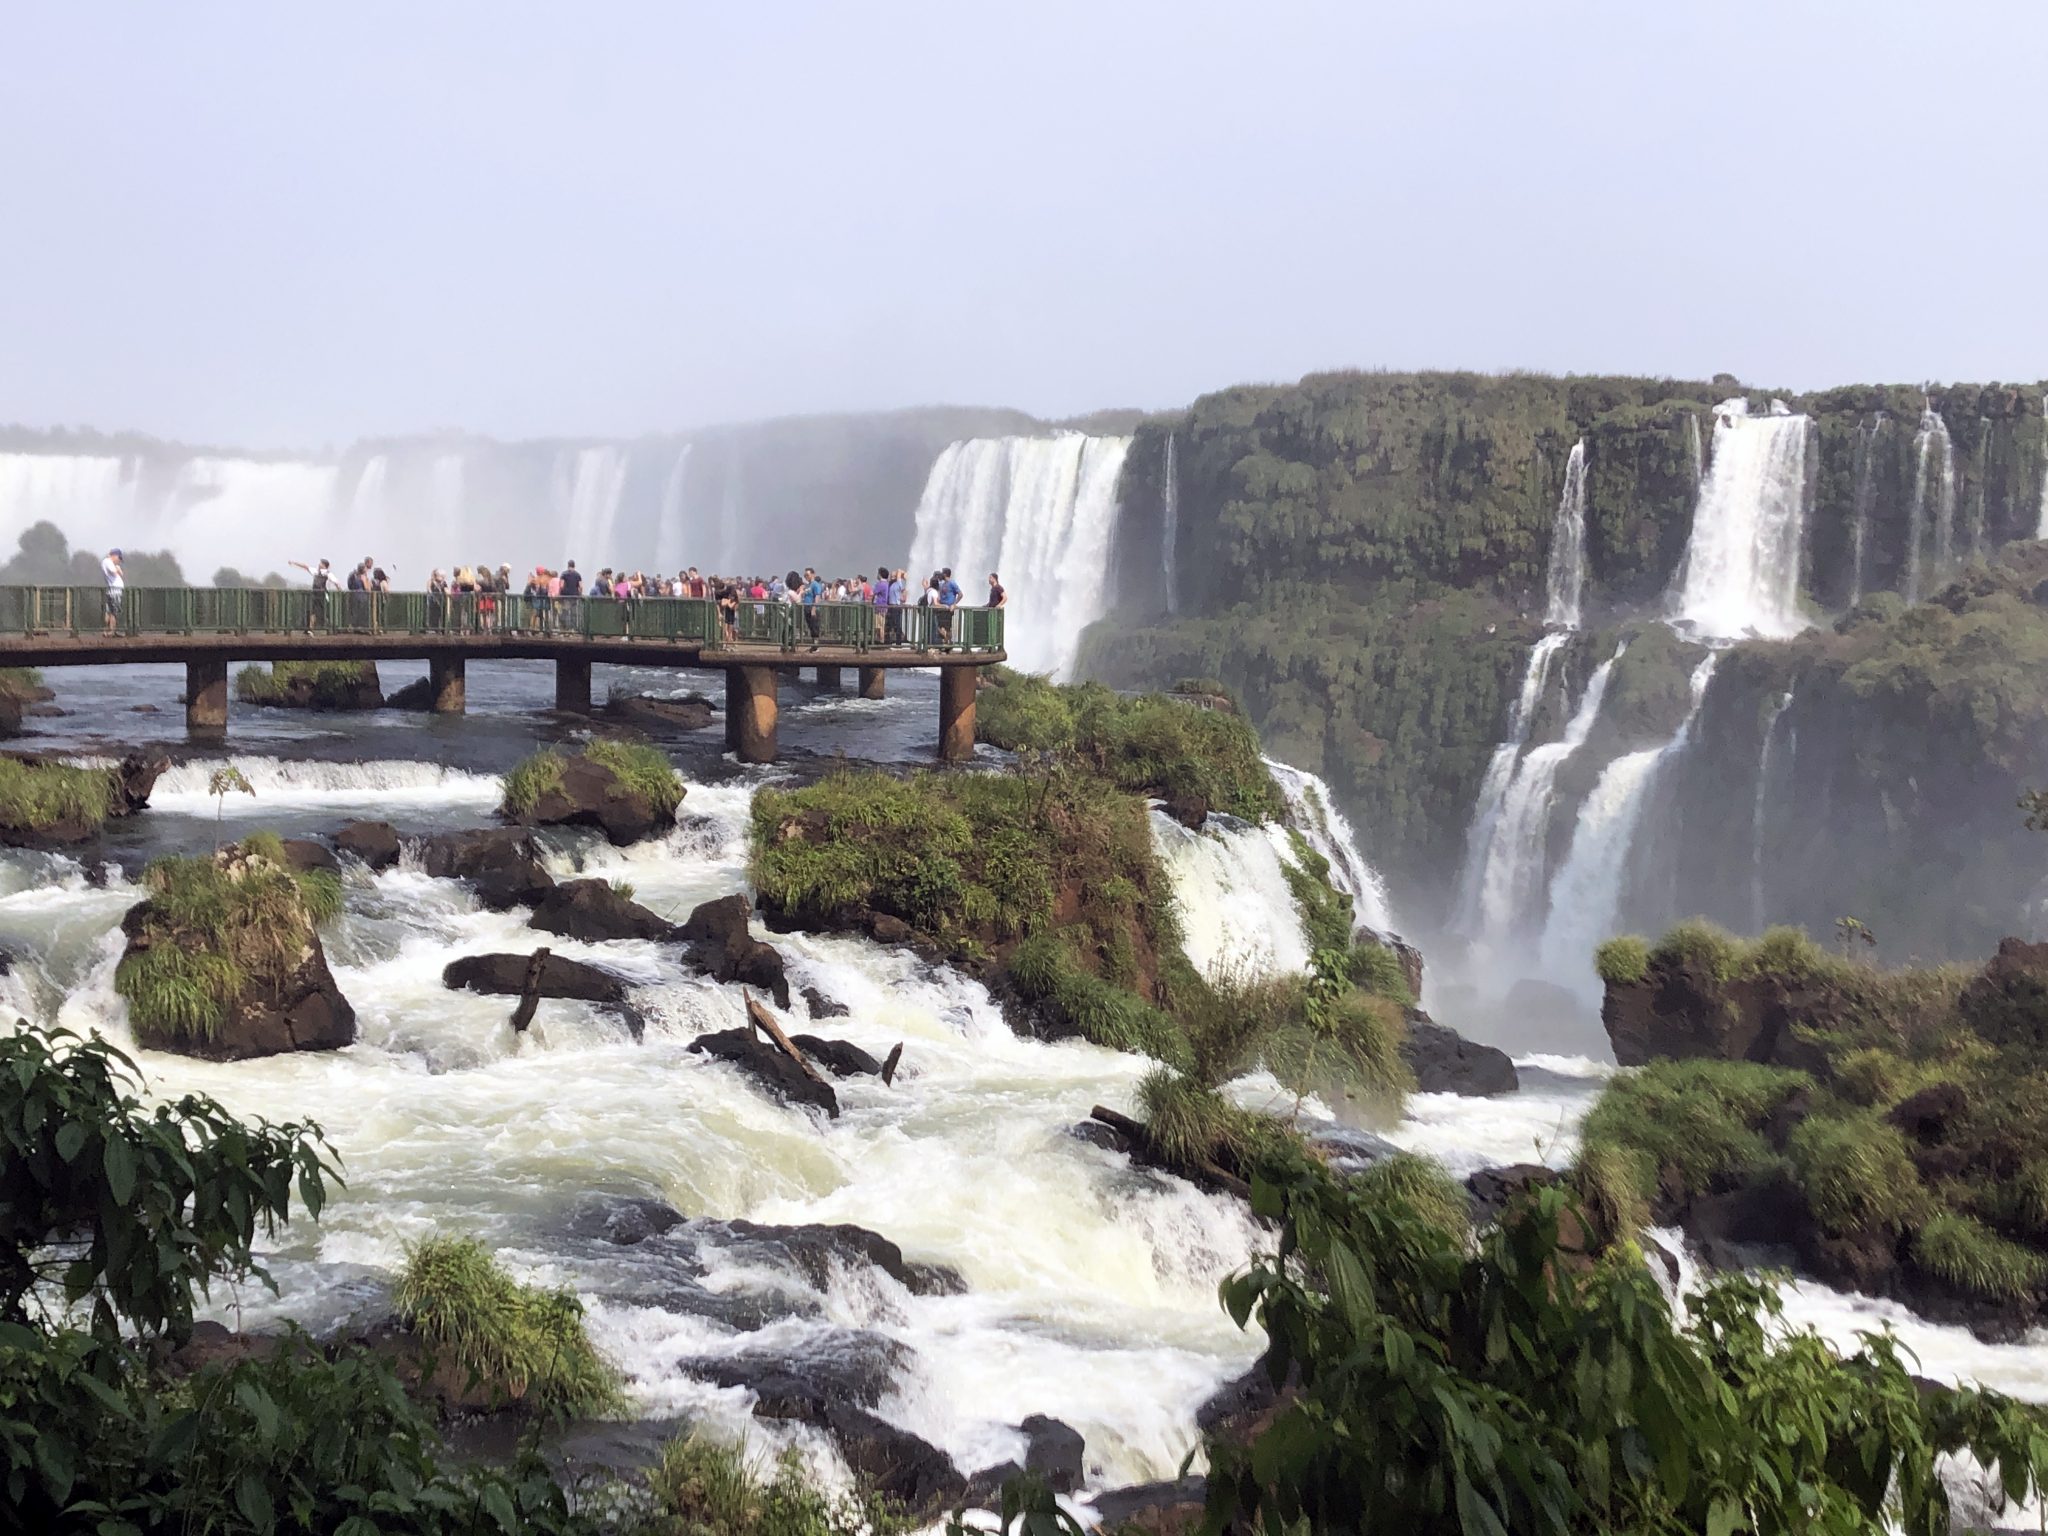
[(467, 597)]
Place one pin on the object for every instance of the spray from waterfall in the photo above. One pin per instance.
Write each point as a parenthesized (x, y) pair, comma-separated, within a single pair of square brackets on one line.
[(1314, 813), (1042, 511), (1585, 898), (670, 536), (1865, 500), (1169, 516), (1741, 570), (1500, 772), (1934, 481), (1565, 581), (589, 485), (1757, 811)]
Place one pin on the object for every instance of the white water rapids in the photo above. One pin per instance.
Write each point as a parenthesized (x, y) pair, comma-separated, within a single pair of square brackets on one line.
[(1741, 569)]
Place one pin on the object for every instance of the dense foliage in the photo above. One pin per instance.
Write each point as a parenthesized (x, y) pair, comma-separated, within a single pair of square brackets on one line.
[(38, 796), (1513, 1386), (310, 684)]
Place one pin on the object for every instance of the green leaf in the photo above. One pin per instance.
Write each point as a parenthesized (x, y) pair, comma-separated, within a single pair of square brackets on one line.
[(259, 1406), (70, 1139), (1723, 1516), (253, 1500), (499, 1507), (119, 1160)]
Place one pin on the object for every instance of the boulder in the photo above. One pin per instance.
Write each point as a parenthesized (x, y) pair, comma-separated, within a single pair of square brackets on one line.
[(885, 929), (855, 1367), (375, 843), (417, 694), (1054, 1451), (1191, 810), (303, 854), (311, 685), (134, 777), (1444, 1061), (1680, 1010), (1493, 1190), (1162, 1509), (505, 976), (502, 863), (769, 1067), (842, 1058), (691, 713), (2008, 1003), (588, 794), (623, 1219), (823, 1007), (814, 1250), (592, 911), (896, 1463), (719, 940)]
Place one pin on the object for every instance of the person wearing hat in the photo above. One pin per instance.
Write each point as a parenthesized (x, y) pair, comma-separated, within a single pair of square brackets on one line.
[(117, 583)]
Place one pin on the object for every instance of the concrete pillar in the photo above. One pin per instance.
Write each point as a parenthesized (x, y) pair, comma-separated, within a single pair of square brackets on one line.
[(750, 706), (206, 696), (572, 685), (828, 677), (447, 684), (956, 713), (871, 679)]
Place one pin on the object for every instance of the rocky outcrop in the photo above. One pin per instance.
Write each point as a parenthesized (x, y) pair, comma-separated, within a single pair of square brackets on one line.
[(814, 1250), (508, 976), (822, 1007), (19, 697), (586, 793), (311, 685), (2008, 1003), (502, 863), (1055, 1451), (1444, 1061), (304, 854), (375, 843), (1158, 1509), (67, 820), (594, 911), (1681, 1010), (415, 695), (842, 1058), (719, 940), (691, 713), (770, 1068)]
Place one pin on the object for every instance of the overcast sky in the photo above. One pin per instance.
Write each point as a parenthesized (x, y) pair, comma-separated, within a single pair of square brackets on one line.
[(280, 225)]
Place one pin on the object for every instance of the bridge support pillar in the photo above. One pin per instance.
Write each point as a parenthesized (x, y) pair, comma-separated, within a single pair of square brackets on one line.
[(828, 677), (206, 696), (572, 685), (447, 684), (750, 712), (956, 713), (871, 681)]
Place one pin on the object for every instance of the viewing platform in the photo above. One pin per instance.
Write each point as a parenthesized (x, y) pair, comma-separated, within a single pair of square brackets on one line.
[(206, 628)]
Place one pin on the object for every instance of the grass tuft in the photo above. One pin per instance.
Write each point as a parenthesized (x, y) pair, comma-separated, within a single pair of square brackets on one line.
[(321, 684), (1856, 1173), (645, 771), (1623, 961), (36, 797), (1970, 1256), (1700, 946), (1696, 1118), (1422, 1185), (532, 778)]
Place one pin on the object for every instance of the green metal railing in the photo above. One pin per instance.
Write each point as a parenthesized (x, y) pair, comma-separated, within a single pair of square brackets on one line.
[(677, 620)]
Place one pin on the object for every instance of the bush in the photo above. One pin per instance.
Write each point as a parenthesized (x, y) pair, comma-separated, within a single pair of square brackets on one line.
[(1696, 1118), (1700, 946), (36, 797), (1968, 1255), (1623, 961), (1856, 1173), (702, 1487), (1348, 1048), (1376, 968), (1421, 1184), (522, 1343)]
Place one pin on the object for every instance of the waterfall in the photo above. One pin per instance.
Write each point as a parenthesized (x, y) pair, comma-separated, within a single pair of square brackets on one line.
[(1756, 813), (1325, 828), (2041, 515), (589, 484), (1517, 858), (1565, 581), (1934, 471), (729, 519), (1169, 517), (1237, 910), (1866, 497), (1695, 451), (1980, 489), (1741, 569), (1500, 770), (91, 497), (670, 536), (1586, 896), (1042, 512)]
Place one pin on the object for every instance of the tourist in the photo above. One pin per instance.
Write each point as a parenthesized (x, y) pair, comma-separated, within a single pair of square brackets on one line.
[(117, 584), (553, 586), (437, 600), (879, 596), (316, 609), (813, 594), (996, 595)]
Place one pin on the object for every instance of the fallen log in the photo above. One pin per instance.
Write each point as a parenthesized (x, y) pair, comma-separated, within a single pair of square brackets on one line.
[(760, 1016), (889, 1066), (1204, 1172), (529, 995)]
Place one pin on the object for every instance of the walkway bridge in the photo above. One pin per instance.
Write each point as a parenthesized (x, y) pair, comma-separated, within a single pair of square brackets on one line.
[(206, 628)]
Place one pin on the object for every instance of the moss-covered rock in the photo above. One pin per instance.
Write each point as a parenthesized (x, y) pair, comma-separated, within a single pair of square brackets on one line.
[(311, 685), (626, 790), (46, 802)]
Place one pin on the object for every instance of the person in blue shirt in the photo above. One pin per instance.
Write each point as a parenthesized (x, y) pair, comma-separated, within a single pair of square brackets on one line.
[(814, 594), (899, 593)]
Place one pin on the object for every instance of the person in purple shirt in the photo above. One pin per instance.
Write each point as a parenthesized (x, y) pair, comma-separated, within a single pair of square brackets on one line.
[(881, 603)]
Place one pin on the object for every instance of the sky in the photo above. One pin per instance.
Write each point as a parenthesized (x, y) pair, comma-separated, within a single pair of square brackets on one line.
[(289, 226)]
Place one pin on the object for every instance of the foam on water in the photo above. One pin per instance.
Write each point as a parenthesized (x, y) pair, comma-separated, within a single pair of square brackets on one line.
[(1237, 911), (286, 782)]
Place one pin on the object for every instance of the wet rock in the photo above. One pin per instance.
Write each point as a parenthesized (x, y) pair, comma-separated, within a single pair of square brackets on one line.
[(770, 1068), (1680, 1010), (1054, 1451), (1493, 1190), (1189, 809), (373, 842), (505, 976), (144, 709), (417, 694), (692, 713), (854, 1367), (885, 929), (896, 1463), (6, 963), (502, 863), (1096, 1134), (1444, 1061), (1168, 1509), (303, 854), (823, 1007), (592, 911), (623, 1219), (717, 934), (588, 794), (842, 1058), (813, 1250)]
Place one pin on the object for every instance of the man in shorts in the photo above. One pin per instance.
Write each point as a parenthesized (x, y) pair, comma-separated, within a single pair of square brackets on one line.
[(117, 583)]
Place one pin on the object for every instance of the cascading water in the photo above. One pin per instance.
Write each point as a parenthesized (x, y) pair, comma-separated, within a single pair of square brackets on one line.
[(1325, 828), (1865, 500), (1694, 450), (1169, 518), (1237, 910), (1565, 581), (589, 485), (1586, 895), (1934, 481), (1741, 569), (1518, 858), (1500, 772), (671, 536), (1980, 490), (2041, 514), (1041, 511), (1757, 811)]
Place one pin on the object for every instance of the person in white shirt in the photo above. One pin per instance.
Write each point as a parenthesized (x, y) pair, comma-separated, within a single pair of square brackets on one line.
[(117, 583)]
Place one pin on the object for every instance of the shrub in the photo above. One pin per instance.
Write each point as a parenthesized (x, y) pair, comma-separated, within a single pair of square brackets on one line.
[(1622, 961), (1375, 968), (1347, 1048), (1696, 1118), (1964, 1253), (325, 684), (645, 771), (530, 779), (1421, 1184), (35, 797), (1614, 1184), (1189, 1123), (1700, 946), (522, 1342), (1855, 1173), (703, 1487)]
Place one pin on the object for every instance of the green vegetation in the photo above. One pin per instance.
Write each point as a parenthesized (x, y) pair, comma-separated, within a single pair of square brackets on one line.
[(310, 684), (703, 1487), (532, 778), (1622, 960), (21, 682), (642, 770), (215, 928), (519, 1343), (1695, 1118), (1155, 744), (44, 557), (39, 797)]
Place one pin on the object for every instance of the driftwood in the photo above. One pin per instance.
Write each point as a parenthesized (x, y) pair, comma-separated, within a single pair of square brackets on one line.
[(529, 997), (763, 1019), (889, 1066), (1204, 1172)]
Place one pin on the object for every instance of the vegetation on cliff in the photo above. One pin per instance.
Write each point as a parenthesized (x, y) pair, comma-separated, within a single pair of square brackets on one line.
[(217, 933), (311, 685), (1896, 1121)]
